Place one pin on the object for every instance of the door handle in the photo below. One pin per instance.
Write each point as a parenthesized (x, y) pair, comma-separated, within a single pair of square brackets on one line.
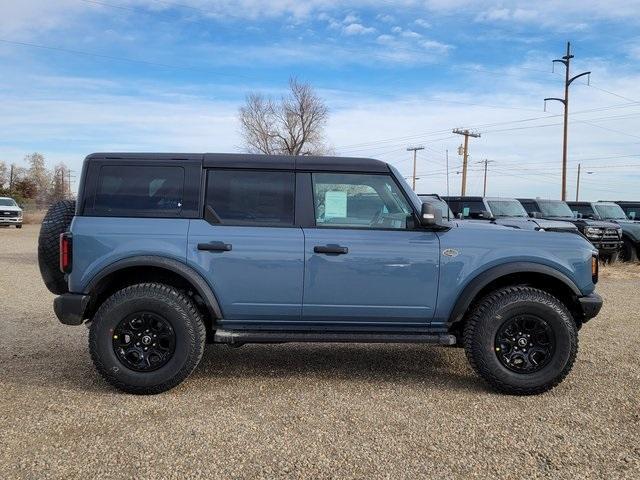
[(335, 249), (215, 247)]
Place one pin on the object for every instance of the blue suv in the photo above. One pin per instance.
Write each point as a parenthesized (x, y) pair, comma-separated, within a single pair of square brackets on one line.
[(166, 252)]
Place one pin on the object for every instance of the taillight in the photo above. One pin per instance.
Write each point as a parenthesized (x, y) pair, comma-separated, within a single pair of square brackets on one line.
[(594, 268), (66, 250)]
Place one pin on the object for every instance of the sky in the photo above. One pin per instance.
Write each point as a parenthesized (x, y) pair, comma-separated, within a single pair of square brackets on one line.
[(80, 76)]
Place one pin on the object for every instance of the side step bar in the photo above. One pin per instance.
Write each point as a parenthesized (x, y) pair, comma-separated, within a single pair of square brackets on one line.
[(238, 337)]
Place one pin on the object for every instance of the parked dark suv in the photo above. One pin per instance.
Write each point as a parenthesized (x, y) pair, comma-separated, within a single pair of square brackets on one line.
[(631, 209), (503, 211), (605, 236), (165, 252), (612, 212)]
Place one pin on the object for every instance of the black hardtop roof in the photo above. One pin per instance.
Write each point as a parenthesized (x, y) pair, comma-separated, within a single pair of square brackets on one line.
[(250, 160), (622, 202), (581, 202)]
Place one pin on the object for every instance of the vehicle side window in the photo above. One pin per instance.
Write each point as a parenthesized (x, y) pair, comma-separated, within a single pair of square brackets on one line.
[(139, 191), (249, 197), (473, 209), (585, 210), (633, 213), (529, 206), (359, 201)]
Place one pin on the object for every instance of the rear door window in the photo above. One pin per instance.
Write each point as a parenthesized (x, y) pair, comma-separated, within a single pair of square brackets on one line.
[(247, 197), (139, 191)]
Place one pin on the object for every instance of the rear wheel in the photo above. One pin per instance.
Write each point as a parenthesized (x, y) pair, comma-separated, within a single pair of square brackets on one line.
[(147, 338), (521, 340)]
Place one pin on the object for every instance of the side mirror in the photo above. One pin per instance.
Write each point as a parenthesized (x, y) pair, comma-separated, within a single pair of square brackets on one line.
[(535, 215), (430, 216), (460, 216), (486, 214)]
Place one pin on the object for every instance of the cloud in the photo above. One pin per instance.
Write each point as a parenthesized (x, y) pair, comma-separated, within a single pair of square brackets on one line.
[(411, 34), (357, 29), (422, 23), (436, 47), (351, 18), (386, 18)]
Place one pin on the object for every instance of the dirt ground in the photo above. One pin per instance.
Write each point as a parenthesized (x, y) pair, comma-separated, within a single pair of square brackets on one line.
[(308, 411)]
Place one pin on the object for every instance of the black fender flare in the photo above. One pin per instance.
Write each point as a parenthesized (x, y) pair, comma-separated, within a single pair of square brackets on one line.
[(185, 271), (475, 286)]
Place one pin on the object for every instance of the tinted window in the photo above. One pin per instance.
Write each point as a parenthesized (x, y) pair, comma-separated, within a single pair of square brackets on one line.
[(7, 202), (585, 210), (361, 201), (633, 212), (468, 208), (245, 197), (139, 191), (529, 206)]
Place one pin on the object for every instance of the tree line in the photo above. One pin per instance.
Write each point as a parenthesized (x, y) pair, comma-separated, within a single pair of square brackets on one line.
[(35, 184)]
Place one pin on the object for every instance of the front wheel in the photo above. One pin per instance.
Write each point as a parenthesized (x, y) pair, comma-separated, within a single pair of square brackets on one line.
[(521, 340), (628, 252), (147, 338)]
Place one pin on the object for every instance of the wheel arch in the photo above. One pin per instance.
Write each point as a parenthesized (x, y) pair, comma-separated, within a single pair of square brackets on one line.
[(140, 269), (519, 273)]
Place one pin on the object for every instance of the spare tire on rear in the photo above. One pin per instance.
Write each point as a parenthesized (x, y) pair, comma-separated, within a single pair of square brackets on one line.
[(56, 221)]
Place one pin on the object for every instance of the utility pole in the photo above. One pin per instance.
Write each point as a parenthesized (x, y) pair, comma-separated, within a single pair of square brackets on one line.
[(566, 61), (415, 152), (486, 165), (578, 181), (465, 153)]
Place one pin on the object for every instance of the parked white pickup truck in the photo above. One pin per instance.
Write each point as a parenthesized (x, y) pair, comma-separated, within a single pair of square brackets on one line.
[(10, 212)]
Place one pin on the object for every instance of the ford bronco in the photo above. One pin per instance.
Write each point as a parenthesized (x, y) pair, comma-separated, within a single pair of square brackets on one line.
[(163, 253), (612, 212)]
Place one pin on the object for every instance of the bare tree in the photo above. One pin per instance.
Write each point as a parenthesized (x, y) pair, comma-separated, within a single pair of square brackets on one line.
[(59, 183), (4, 175), (40, 175), (292, 126)]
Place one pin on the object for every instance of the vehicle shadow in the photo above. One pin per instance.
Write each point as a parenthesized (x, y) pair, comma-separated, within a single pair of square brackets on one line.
[(421, 365), (69, 367)]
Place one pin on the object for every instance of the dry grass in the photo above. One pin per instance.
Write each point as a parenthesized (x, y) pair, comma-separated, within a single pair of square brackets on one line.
[(620, 271), (34, 217)]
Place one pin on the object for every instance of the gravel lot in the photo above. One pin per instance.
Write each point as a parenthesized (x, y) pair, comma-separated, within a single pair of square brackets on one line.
[(317, 411)]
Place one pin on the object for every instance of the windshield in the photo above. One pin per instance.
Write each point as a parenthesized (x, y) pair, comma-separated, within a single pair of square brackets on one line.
[(610, 211), (507, 208), (7, 202), (550, 208)]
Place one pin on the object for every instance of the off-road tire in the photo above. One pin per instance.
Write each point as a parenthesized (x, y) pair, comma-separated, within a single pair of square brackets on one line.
[(18, 226), (177, 308), (497, 308), (55, 222), (628, 253)]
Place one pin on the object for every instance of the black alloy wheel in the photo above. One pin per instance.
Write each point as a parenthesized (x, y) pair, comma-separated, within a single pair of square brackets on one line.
[(525, 343), (144, 341)]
